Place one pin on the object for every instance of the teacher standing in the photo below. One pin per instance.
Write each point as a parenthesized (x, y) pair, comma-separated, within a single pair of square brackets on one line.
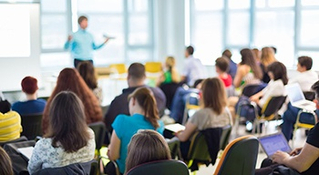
[(82, 43)]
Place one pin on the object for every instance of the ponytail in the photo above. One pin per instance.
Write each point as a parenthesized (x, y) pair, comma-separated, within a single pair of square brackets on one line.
[(147, 101)]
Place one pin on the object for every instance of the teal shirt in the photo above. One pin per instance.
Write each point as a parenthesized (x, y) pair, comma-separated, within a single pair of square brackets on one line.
[(82, 45), (125, 127)]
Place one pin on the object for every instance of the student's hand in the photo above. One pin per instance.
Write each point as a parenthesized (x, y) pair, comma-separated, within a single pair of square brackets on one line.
[(295, 151), (70, 37), (280, 157), (254, 98)]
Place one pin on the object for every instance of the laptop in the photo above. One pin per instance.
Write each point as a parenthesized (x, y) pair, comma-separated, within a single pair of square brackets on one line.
[(297, 98), (274, 142)]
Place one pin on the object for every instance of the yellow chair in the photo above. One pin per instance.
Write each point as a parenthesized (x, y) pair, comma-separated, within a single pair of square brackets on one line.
[(189, 107), (153, 67), (299, 124), (118, 68), (102, 72)]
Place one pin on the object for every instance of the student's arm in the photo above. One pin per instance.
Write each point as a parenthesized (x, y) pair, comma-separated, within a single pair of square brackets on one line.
[(301, 162), (35, 162), (190, 128), (239, 76), (114, 147), (255, 98)]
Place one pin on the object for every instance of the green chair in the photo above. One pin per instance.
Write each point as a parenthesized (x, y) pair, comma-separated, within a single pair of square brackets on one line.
[(239, 157), (100, 132), (31, 125)]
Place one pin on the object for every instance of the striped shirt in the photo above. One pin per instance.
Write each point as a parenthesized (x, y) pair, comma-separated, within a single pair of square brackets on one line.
[(10, 126)]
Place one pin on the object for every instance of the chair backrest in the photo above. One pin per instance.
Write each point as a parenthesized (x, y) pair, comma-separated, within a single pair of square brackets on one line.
[(99, 130), (31, 125), (309, 95), (271, 108), (163, 167), (174, 147), (76, 168), (118, 68), (252, 89), (153, 67), (21, 139), (224, 138), (198, 148), (192, 103), (239, 157)]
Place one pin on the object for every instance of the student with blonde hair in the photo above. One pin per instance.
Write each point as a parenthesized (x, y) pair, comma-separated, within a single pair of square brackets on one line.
[(170, 74), (267, 57), (5, 163), (144, 115), (146, 146)]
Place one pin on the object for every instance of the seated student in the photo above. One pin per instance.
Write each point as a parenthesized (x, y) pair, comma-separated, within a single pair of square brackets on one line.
[(222, 65), (68, 140), (146, 146), (10, 122), (305, 78), (32, 105), (5, 163), (179, 100), (144, 115), (135, 79), (213, 114), (305, 160), (86, 71), (170, 74), (69, 79), (232, 65)]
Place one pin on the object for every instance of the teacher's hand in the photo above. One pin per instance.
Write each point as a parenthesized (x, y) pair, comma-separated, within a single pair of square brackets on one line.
[(70, 37)]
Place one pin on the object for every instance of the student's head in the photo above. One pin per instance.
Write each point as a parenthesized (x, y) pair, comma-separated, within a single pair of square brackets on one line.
[(274, 48), (146, 146), (5, 163), (5, 106), (257, 54), (136, 74), (83, 22), (227, 53), (189, 51), (170, 62), (248, 58), (222, 65), (315, 87), (214, 94), (304, 63), (29, 85), (67, 125), (198, 83), (86, 71), (142, 100), (276, 71), (267, 56)]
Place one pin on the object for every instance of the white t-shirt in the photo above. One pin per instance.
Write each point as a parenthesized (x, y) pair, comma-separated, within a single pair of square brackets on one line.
[(193, 70), (273, 89), (305, 79)]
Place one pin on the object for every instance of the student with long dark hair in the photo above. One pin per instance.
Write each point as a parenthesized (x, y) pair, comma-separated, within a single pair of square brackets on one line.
[(68, 140), (146, 146), (144, 115)]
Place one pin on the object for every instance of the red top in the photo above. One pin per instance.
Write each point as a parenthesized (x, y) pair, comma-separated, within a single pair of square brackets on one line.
[(227, 80)]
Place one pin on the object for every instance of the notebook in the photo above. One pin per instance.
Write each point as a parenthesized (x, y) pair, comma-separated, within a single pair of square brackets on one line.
[(297, 98), (274, 142), (175, 127), (26, 151)]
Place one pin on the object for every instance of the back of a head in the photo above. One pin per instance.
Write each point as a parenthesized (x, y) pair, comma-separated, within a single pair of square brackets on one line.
[(305, 61), (5, 163), (227, 53), (315, 87), (267, 56), (5, 106), (29, 85), (86, 70), (66, 110), (214, 94), (147, 102), (136, 71), (146, 146), (190, 50), (248, 58), (279, 71), (170, 62), (222, 63)]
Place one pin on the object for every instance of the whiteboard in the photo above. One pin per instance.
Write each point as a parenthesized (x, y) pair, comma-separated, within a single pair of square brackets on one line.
[(20, 44)]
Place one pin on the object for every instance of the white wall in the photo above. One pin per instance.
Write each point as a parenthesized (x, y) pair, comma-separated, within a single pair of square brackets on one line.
[(13, 70)]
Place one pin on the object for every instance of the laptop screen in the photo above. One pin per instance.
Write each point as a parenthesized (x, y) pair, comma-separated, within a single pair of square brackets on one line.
[(294, 93), (274, 142)]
